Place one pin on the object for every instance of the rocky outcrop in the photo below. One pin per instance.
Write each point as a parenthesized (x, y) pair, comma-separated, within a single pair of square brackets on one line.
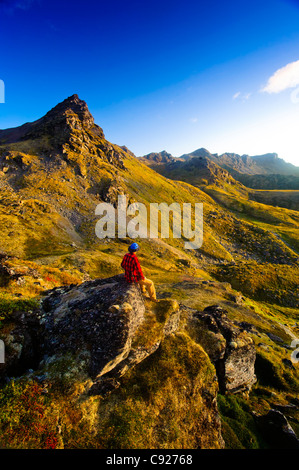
[(13, 273), (109, 327), (20, 345), (58, 123), (277, 430), (67, 130), (106, 325), (98, 333), (96, 320), (230, 347)]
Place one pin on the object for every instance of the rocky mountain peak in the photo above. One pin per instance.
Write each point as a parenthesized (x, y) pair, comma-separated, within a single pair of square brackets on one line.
[(60, 123), (71, 105), (201, 152), (67, 133), (157, 158)]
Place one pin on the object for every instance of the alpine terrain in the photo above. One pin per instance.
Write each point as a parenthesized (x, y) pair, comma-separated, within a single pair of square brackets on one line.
[(91, 362)]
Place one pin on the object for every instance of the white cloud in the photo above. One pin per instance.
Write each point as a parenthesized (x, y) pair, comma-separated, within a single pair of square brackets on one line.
[(193, 120), (244, 96), (10, 6), (284, 78)]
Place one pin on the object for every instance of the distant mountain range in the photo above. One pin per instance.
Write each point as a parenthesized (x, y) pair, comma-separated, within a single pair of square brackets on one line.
[(266, 171)]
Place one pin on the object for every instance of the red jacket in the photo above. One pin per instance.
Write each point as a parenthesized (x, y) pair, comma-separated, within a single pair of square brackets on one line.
[(131, 265)]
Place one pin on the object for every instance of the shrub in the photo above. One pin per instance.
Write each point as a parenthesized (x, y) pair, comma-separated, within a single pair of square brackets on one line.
[(25, 421)]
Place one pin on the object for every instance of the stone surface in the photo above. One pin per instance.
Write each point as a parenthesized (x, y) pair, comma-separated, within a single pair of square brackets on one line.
[(96, 319), (140, 349), (277, 430), (96, 332), (109, 327), (105, 324), (229, 346), (21, 350)]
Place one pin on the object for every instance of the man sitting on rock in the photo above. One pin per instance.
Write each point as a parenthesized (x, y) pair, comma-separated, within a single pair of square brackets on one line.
[(133, 272)]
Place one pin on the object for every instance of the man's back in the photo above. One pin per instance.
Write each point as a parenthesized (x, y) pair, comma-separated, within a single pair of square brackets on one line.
[(131, 265)]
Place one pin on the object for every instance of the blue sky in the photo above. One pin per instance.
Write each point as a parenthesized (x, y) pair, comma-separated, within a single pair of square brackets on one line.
[(160, 75)]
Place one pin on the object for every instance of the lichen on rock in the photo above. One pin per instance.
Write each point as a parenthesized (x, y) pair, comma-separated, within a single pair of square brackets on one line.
[(230, 347), (99, 316)]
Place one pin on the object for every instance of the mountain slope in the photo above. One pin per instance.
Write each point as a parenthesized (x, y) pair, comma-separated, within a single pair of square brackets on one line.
[(62, 166), (156, 158), (257, 172), (270, 182), (267, 164)]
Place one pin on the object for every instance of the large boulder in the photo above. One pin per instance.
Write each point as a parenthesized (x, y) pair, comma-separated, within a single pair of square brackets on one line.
[(19, 341), (229, 346), (103, 323), (96, 319)]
